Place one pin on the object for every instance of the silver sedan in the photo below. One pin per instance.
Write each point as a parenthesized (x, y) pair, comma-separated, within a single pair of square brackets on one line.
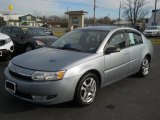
[(79, 63)]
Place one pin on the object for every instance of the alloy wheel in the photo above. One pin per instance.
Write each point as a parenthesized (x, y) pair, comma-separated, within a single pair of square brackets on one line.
[(145, 66), (88, 90)]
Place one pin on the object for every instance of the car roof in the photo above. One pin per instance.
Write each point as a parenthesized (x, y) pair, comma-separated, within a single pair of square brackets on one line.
[(106, 28), (23, 26)]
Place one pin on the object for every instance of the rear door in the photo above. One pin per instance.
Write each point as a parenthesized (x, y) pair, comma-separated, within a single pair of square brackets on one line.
[(117, 64), (17, 35), (135, 43)]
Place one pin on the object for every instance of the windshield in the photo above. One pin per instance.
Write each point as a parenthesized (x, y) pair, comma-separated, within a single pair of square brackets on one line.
[(152, 28), (35, 32), (82, 40)]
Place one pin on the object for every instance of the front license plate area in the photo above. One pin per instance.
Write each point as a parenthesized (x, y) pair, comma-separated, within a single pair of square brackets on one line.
[(10, 86)]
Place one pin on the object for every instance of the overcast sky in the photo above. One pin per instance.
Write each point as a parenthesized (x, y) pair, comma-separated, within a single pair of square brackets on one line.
[(58, 7)]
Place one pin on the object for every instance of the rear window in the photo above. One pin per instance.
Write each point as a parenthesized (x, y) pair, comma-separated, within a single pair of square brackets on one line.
[(134, 38), (34, 31)]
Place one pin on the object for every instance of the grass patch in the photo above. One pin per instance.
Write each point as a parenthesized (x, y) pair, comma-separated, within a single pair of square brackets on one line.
[(155, 41)]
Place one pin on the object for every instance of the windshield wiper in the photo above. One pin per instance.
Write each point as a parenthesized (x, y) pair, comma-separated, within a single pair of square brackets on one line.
[(55, 47), (70, 48), (66, 48)]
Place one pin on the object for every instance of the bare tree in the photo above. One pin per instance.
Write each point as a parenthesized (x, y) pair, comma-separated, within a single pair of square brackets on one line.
[(135, 10)]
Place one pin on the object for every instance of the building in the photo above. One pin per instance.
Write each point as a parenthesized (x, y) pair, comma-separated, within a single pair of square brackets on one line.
[(21, 19), (1, 21), (150, 21)]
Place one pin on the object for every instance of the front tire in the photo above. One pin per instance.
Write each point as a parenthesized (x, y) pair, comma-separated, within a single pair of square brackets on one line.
[(145, 66), (87, 89)]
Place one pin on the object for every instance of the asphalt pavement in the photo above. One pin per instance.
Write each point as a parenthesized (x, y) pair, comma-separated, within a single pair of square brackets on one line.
[(132, 98)]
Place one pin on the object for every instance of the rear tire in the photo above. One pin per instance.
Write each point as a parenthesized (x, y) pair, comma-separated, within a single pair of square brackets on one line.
[(87, 89), (145, 66)]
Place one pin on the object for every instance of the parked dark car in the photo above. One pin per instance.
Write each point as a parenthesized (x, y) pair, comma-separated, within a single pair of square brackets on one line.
[(28, 38)]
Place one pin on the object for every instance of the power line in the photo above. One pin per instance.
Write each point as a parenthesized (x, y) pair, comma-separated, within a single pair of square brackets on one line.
[(70, 3), (81, 4)]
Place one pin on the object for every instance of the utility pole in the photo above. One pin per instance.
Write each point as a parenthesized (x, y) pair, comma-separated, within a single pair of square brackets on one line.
[(107, 20), (94, 14), (155, 12), (119, 14)]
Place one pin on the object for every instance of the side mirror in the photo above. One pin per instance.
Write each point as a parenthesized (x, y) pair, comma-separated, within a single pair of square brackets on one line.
[(111, 49)]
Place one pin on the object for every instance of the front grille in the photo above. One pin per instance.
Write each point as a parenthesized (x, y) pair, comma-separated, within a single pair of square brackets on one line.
[(29, 96), (23, 95), (16, 75), (2, 42)]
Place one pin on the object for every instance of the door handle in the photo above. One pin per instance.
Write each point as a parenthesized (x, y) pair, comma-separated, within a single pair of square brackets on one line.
[(126, 52), (141, 47)]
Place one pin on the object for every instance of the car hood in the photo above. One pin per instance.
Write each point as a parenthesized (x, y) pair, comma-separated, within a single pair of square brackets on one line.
[(48, 59), (150, 30), (3, 36)]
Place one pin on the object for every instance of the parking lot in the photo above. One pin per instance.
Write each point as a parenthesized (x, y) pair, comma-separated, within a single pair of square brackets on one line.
[(132, 98)]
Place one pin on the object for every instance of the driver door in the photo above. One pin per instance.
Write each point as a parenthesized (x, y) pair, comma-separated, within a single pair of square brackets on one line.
[(117, 63)]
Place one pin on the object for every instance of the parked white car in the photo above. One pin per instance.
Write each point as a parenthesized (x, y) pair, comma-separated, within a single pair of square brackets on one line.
[(152, 31), (6, 46)]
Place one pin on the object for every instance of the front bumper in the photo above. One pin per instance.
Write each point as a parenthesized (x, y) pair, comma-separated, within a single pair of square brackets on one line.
[(6, 49), (56, 91)]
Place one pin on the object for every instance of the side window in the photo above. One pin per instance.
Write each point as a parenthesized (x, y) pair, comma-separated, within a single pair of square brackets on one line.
[(17, 32), (138, 38), (134, 38), (6, 31), (118, 40)]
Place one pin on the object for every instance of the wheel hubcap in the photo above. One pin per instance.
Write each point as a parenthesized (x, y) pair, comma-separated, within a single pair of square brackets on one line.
[(145, 66), (88, 90)]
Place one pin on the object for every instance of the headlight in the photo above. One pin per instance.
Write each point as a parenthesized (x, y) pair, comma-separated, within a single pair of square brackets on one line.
[(40, 43), (8, 40), (48, 75)]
